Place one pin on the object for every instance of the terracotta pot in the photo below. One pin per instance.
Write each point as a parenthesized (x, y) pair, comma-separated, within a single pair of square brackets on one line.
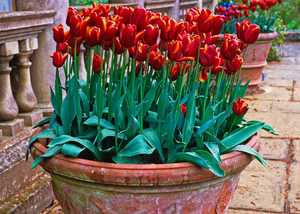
[(84, 186), (255, 58)]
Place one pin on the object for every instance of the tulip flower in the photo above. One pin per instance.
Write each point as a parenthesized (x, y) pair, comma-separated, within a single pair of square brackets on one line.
[(174, 50), (62, 47), (97, 63), (175, 71), (139, 18), (247, 32), (71, 12), (118, 48), (156, 60), (230, 47), (183, 108), (240, 107), (203, 76), (207, 55), (234, 64), (92, 36), (141, 52), (127, 35), (58, 59), (59, 34), (151, 34), (124, 12)]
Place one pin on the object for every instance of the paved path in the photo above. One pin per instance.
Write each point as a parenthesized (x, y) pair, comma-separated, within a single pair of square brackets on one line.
[(275, 189)]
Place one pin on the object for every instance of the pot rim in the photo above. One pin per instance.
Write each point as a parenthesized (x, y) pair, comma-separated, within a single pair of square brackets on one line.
[(140, 174), (267, 36)]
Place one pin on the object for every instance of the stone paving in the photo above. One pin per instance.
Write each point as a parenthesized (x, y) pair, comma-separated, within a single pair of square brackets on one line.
[(276, 188)]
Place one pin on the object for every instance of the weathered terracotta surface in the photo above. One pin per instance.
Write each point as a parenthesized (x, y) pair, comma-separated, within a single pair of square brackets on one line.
[(255, 58), (84, 186)]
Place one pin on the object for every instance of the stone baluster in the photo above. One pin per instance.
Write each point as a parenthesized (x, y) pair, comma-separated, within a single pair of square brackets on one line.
[(22, 87), (8, 105)]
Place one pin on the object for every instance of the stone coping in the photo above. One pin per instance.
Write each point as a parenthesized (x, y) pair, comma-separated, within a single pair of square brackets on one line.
[(23, 24)]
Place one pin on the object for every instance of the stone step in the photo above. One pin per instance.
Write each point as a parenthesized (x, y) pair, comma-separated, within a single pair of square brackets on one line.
[(32, 199), (15, 171)]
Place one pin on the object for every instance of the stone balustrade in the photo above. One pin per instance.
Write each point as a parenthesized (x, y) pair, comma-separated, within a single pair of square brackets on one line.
[(19, 38)]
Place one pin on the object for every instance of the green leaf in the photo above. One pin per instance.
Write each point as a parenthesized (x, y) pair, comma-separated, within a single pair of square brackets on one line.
[(83, 142), (85, 102), (214, 150), (93, 121), (54, 102), (67, 113), (47, 133), (153, 139), (110, 133), (128, 160), (208, 124), (137, 146), (251, 151), (71, 150), (240, 136), (48, 154), (58, 91), (202, 159), (42, 122)]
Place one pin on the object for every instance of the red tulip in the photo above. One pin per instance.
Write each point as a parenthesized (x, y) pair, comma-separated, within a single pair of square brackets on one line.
[(71, 12), (59, 33), (183, 108), (234, 64), (230, 47), (156, 60), (141, 52), (175, 71), (127, 35), (139, 18), (58, 59), (247, 32), (175, 50), (97, 63), (62, 47), (207, 55), (118, 48), (203, 77), (217, 66), (151, 34), (124, 12), (92, 36), (240, 107)]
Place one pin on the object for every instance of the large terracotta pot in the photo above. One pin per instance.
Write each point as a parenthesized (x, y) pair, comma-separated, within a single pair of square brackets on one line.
[(84, 186), (255, 58)]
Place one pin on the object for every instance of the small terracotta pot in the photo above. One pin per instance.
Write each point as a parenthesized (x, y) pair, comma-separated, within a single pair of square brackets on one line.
[(255, 58), (84, 186)]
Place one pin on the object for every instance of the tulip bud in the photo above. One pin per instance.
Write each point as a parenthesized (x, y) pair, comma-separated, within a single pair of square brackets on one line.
[(183, 108), (141, 51), (118, 48), (97, 63), (58, 59), (175, 71), (203, 77), (207, 55), (240, 107)]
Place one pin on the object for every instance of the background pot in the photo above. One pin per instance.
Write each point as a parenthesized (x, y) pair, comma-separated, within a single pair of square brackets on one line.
[(84, 186), (255, 58)]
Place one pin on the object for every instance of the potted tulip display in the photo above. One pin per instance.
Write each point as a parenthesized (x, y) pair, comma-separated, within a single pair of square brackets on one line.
[(158, 124), (259, 12)]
